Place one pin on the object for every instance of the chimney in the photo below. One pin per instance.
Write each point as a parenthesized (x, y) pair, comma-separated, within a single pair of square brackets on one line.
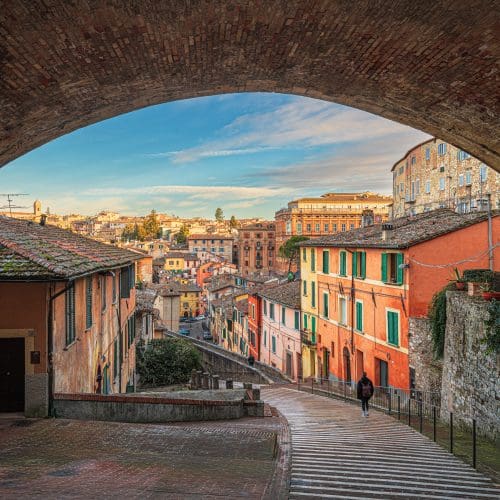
[(387, 230), (367, 218)]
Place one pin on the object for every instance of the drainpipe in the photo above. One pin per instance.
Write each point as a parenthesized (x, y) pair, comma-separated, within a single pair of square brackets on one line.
[(490, 234), (353, 297), (50, 343)]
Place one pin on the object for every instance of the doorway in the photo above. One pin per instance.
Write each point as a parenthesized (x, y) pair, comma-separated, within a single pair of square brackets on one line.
[(289, 364), (326, 363), (12, 375), (383, 373), (347, 365), (360, 367)]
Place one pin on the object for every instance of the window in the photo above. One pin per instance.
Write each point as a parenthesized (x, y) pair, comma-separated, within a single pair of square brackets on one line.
[(427, 187), (342, 310), (359, 264), (304, 288), (343, 263), (313, 294), (88, 302), (442, 149), (308, 228), (116, 355), (393, 327), (313, 324), (115, 288), (462, 155), (304, 254), (335, 228), (359, 316), (417, 187), (401, 169), (413, 160), (326, 228), (288, 227), (441, 184), (305, 321), (317, 227), (351, 227), (392, 271), (265, 338), (265, 307), (70, 315), (127, 281), (313, 260), (461, 180), (325, 304), (296, 322), (483, 173), (401, 189), (427, 153), (468, 178), (343, 227), (271, 310), (299, 227), (103, 292), (273, 344), (283, 315), (326, 261)]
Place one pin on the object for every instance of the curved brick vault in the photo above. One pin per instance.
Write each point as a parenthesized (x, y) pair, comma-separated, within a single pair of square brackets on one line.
[(430, 64)]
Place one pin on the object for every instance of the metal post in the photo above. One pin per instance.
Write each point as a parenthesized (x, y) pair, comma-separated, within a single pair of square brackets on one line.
[(421, 421), (451, 432), (434, 423), (409, 412), (474, 443), (390, 401), (399, 407)]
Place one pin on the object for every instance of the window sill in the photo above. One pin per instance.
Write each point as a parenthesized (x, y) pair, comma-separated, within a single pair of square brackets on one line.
[(393, 345), (392, 284), (71, 344)]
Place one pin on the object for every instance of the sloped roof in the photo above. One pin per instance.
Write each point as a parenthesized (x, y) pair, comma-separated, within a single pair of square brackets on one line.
[(29, 251), (407, 231), (287, 294)]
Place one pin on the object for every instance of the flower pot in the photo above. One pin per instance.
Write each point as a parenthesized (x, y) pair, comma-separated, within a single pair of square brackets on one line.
[(488, 295), (474, 289), (460, 285)]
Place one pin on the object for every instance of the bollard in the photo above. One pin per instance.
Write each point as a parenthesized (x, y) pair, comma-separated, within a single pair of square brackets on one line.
[(205, 380), (215, 382), (192, 383), (229, 384), (474, 443), (434, 423)]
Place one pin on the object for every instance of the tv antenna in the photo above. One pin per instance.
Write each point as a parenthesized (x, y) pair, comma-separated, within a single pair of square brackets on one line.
[(10, 201)]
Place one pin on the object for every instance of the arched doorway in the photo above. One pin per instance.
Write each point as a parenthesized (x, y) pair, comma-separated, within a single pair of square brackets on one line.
[(347, 365)]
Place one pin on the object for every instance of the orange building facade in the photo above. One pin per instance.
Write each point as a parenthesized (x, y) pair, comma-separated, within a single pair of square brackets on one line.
[(329, 214), (370, 282)]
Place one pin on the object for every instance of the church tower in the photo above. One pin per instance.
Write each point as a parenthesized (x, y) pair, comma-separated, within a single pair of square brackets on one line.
[(37, 208)]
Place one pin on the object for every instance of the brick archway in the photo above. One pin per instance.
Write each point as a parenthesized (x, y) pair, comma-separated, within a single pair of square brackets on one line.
[(432, 65)]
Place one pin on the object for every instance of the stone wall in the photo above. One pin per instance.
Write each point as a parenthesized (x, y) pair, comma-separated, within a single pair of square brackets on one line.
[(470, 379), (428, 370)]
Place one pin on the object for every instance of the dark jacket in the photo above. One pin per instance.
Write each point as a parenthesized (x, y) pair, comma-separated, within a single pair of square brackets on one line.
[(364, 380)]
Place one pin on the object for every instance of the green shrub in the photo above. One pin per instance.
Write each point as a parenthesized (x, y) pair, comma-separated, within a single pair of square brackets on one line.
[(166, 361), (492, 322), (478, 275), (437, 317)]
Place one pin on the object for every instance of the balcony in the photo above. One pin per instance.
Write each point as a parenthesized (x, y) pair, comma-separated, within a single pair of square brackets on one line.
[(308, 338)]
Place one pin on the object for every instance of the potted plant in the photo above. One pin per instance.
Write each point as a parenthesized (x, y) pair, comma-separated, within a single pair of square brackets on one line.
[(477, 279), (459, 282), (486, 291)]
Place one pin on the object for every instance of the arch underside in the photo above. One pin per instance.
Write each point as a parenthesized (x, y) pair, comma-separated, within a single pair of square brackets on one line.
[(433, 66)]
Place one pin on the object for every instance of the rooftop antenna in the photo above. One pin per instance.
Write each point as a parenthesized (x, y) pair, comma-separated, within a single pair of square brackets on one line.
[(10, 201)]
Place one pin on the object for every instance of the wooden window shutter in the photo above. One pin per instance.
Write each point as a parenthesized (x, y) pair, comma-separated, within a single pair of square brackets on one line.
[(355, 263), (363, 264), (384, 267), (399, 262)]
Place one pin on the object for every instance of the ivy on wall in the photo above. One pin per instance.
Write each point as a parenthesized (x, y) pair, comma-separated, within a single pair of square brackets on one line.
[(437, 317), (492, 323)]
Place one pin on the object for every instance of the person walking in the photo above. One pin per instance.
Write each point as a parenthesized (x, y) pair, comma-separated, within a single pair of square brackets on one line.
[(365, 392)]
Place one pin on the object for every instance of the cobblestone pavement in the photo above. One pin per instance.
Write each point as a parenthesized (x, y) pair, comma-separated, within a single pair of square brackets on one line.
[(337, 453), (57, 458)]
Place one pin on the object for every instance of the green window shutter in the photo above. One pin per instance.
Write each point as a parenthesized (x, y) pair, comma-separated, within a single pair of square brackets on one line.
[(313, 294), (325, 305), (384, 267), (273, 343), (283, 315), (297, 320), (313, 324), (304, 291), (343, 263), (359, 316), (354, 263), (363, 264), (392, 328), (313, 259), (88, 302), (304, 254), (399, 262), (326, 261), (305, 321)]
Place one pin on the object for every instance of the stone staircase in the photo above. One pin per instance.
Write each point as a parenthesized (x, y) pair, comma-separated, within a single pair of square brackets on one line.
[(337, 453)]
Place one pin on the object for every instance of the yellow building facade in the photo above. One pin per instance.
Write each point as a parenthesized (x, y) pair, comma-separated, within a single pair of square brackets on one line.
[(309, 311)]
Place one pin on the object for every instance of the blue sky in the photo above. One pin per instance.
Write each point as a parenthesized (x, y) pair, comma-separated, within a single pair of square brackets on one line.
[(247, 153)]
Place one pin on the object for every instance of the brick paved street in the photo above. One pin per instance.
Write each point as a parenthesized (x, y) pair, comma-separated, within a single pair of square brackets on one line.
[(81, 459)]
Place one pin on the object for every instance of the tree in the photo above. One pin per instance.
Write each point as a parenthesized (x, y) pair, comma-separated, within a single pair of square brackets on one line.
[(290, 250), (151, 226), (219, 215), (233, 223), (128, 232), (167, 361), (182, 235)]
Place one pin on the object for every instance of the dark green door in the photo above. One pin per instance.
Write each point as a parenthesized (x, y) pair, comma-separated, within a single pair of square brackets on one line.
[(11, 375)]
